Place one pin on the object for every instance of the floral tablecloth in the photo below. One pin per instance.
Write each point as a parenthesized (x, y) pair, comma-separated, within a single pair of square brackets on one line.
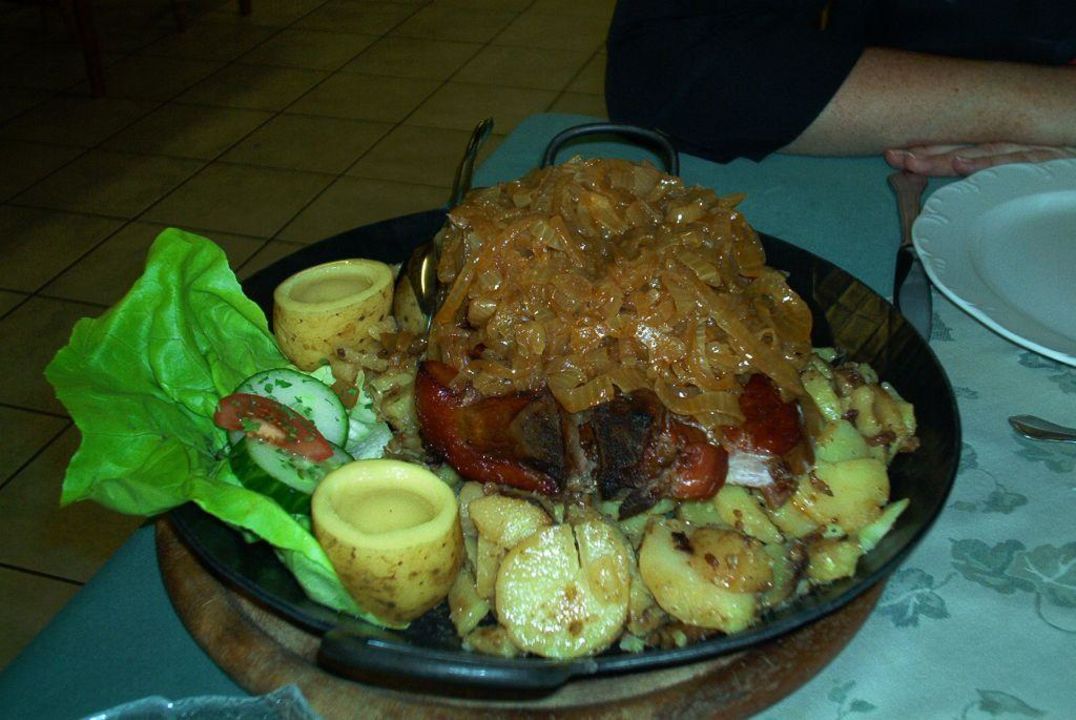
[(980, 621)]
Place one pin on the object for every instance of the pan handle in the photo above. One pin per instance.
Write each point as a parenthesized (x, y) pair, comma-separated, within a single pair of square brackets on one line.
[(643, 135), (361, 658)]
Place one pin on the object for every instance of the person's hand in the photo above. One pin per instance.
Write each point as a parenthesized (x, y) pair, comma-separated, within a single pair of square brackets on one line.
[(949, 160)]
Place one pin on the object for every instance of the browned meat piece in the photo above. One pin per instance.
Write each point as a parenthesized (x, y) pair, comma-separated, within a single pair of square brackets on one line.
[(642, 453), (616, 436), (635, 451), (537, 435)]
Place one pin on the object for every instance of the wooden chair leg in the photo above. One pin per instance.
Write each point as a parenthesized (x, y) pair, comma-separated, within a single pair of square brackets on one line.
[(244, 7), (91, 47)]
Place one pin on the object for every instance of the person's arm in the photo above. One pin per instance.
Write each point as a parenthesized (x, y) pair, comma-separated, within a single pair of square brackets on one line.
[(895, 99)]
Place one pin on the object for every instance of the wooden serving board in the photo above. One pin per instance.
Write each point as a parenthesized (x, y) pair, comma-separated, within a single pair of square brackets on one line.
[(261, 651)]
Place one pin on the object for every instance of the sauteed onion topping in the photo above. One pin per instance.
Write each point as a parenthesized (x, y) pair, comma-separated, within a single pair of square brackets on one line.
[(598, 276)]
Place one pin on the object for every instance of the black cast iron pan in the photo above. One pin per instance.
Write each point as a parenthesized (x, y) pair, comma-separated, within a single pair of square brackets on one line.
[(427, 656)]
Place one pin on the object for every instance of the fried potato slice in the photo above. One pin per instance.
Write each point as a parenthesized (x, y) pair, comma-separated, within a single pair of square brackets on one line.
[(850, 494), (465, 607), (704, 576), (564, 591), (501, 523)]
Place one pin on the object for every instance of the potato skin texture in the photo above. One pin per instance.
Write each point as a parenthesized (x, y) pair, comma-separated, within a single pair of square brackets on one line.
[(395, 574), (310, 333), (390, 588)]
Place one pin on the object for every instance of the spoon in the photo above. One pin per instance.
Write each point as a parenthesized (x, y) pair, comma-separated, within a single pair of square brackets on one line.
[(421, 269), (1038, 429)]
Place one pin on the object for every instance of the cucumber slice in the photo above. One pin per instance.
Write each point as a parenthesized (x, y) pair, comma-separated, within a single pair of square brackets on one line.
[(291, 500), (284, 476), (307, 396)]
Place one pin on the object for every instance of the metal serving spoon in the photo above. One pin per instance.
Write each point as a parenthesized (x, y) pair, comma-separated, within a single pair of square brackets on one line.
[(421, 269), (1038, 429)]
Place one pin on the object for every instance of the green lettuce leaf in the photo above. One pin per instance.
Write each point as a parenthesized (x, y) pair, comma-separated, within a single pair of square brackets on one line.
[(142, 382)]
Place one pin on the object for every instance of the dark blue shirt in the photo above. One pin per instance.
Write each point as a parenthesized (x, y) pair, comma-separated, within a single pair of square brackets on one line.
[(742, 78)]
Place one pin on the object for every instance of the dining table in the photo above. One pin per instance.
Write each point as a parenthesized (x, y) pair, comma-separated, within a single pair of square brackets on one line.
[(979, 621)]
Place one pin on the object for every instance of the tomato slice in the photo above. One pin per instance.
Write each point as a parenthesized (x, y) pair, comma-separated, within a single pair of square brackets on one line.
[(274, 423)]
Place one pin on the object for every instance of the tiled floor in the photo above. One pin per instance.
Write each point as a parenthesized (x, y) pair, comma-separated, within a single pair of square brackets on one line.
[(263, 133)]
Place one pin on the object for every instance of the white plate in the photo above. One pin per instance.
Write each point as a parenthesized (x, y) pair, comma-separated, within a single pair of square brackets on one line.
[(1002, 245)]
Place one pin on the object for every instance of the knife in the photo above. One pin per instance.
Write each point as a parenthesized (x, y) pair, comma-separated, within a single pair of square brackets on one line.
[(911, 287)]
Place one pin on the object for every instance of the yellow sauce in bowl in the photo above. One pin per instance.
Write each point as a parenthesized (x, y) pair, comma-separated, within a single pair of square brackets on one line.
[(379, 511), (324, 288)]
